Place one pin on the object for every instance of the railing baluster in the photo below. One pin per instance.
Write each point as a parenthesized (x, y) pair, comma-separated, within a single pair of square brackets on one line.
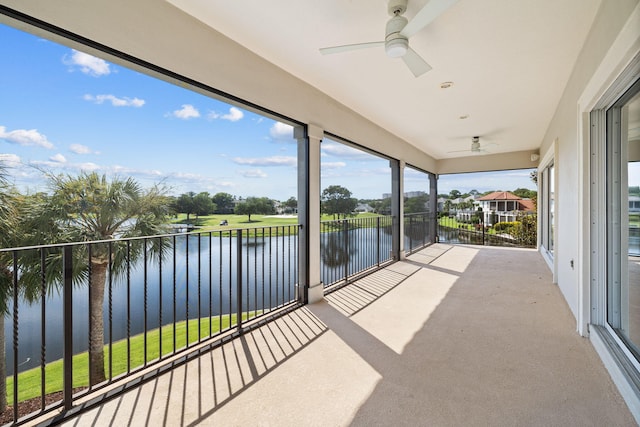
[(128, 306), (210, 283), (67, 307), (283, 270), (346, 250), (289, 258), (378, 242), (174, 294), (248, 274), (230, 279), (145, 304), (90, 309), (220, 282), (199, 286), (263, 280), (15, 285), (276, 264), (160, 306), (255, 272), (186, 279), (239, 278), (110, 308), (43, 329)]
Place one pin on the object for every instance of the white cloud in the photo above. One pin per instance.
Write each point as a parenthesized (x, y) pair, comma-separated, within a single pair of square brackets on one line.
[(115, 101), (233, 115), (80, 149), (187, 112), (333, 165), (253, 173), (25, 137), (281, 131), (10, 160), (340, 150), (88, 166), (87, 64), (267, 161), (58, 158)]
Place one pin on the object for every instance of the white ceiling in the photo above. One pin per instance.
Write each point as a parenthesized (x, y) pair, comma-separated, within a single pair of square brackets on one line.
[(509, 61)]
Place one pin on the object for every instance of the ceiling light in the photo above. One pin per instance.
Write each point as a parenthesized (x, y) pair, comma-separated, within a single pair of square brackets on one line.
[(446, 85), (396, 48)]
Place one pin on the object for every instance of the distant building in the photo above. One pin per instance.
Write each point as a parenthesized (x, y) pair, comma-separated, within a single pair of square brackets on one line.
[(408, 194), (503, 206)]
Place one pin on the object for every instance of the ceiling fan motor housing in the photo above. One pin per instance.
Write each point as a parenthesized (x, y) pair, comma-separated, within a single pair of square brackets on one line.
[(397, 7), (396, 45)]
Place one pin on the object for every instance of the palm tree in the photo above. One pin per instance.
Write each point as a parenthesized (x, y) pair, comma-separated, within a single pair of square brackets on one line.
[(88, 208)]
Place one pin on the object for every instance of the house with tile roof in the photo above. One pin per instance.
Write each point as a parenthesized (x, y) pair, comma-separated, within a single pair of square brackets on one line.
[(503, 206)]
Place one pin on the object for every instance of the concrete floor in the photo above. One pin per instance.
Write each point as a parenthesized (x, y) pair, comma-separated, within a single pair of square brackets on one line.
[(455, 335)]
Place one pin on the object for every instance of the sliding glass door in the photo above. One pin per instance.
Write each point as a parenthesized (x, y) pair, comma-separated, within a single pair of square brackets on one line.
[(623, 217)]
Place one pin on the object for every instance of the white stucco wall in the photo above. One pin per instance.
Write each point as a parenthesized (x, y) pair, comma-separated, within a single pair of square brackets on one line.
[(570, 167)]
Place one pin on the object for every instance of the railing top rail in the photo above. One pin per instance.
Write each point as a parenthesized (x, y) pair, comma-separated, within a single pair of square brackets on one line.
[(155, 236), (341, 220)]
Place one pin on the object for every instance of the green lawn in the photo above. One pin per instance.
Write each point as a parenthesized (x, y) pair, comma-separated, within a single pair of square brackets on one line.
[(29, 381), (235, 221), (453, 223), (212, 222)]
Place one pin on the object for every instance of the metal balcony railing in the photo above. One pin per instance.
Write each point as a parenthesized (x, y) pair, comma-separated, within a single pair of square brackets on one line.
[(471, 231), (352, 247), (159, 296), (417, 231)]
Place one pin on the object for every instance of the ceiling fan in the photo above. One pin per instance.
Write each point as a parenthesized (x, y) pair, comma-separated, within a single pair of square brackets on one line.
[(398, 32), (475, 147)]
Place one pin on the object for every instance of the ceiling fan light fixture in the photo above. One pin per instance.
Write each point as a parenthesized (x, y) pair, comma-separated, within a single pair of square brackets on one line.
[(396, 48), (395, 44)]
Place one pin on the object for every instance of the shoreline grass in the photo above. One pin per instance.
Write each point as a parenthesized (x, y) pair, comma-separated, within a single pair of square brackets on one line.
[(29, 381)]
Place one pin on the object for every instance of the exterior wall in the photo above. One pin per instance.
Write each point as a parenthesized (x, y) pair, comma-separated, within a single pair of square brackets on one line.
[(492, 162), (571, 243)]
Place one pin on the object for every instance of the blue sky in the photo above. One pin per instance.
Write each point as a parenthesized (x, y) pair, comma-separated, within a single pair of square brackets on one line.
[(64, 111)]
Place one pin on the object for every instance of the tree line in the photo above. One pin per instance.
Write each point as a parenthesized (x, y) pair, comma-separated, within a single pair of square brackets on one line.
[(202, 204)]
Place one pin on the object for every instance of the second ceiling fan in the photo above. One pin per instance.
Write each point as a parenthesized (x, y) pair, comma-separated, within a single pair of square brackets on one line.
[(398, 31)]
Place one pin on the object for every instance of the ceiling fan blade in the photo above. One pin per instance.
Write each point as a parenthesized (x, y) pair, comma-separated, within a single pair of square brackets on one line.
[(348, 47), (416, 64), (426, 15)]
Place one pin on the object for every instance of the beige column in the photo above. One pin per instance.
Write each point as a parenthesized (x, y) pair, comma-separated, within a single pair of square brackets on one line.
[(310, 287)]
